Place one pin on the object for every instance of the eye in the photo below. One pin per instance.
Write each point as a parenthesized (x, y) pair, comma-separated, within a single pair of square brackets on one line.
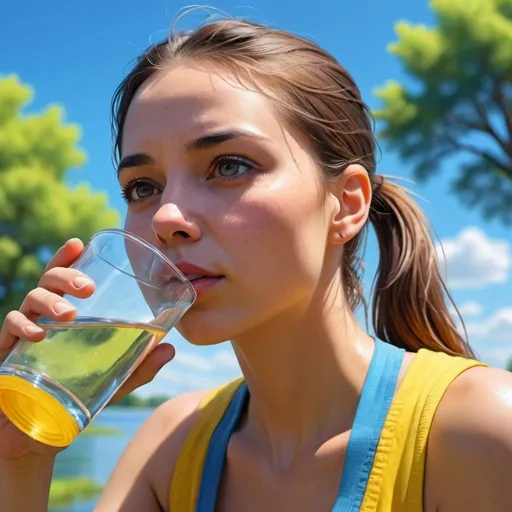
[(231, 167), (138, 190)]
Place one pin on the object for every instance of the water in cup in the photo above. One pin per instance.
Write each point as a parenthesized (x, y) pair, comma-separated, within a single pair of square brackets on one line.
[(53, 389)]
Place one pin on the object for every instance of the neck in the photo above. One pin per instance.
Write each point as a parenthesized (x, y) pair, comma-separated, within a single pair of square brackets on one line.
[(305, 372)]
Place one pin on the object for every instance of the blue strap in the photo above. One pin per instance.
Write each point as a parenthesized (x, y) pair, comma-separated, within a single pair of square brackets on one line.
[(376, 397), (216, 454)]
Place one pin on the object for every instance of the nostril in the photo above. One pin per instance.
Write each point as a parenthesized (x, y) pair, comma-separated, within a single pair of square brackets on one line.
[(171, 235), (160, 238)]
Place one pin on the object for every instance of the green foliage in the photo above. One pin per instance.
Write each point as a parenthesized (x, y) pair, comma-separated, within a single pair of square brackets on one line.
[(509, 366), (38, 211), (137, 401), (64, 492), (458, 101), (93, 430)]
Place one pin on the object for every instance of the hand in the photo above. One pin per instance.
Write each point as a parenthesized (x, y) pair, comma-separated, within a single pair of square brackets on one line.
[(47, 300)]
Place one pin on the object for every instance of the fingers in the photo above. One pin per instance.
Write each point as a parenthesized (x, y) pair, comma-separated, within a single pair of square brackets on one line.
[(16, 325), (67, 280), (46, 303), (20, 324), (147, 370), (67, 254), (46, 300)]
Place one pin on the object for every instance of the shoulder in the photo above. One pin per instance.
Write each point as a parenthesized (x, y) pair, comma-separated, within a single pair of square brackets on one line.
[(470, 444), (164, 435), (144, 471)]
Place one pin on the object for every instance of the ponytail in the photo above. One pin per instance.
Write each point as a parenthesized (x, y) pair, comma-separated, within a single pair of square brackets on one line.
[(316, 94), (409, 306)]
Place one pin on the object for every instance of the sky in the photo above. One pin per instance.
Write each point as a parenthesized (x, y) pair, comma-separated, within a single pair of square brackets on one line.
[(75, 54)]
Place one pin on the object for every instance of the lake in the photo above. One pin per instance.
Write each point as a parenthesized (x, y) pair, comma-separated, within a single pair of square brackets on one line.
[(95, 457)]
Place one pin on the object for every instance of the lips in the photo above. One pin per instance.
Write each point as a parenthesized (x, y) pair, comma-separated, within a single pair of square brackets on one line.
[(203, 284), (201, 279), (194, 277), (194, 272)]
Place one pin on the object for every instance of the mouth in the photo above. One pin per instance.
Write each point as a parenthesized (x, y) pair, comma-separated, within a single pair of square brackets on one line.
[(203, 283), (197, 277), (202, 279)]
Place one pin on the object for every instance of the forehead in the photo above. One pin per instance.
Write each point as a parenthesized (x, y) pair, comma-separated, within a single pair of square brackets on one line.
[(187, 101)]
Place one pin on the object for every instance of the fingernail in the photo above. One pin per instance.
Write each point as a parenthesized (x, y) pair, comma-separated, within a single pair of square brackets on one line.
[(81, 282), (33, 329), (62, 307)]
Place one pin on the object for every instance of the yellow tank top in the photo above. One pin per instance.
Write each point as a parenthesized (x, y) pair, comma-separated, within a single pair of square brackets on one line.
[(395, 482)]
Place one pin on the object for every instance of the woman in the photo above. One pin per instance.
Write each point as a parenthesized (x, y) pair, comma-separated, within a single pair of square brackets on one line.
[(249, 153)]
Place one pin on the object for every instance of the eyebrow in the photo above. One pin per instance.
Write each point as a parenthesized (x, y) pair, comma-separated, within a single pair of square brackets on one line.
[(204, 142), (136, 160), (212, 139)]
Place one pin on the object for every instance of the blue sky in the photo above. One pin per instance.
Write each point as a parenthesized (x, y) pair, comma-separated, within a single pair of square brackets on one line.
[(75, 54)]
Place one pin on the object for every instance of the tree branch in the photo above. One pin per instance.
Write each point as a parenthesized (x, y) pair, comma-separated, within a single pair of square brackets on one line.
[(505, 109), (468, 148), (483, 125)]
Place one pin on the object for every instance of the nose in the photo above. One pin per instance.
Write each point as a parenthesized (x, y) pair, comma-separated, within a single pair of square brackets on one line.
[(171, 225)]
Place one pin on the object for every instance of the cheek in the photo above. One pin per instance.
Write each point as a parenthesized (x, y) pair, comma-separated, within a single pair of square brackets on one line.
[(140, 223), (280, 235), (274, 249)]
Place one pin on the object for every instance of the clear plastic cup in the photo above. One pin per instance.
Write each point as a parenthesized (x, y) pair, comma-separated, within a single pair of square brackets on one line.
[(53, 389)]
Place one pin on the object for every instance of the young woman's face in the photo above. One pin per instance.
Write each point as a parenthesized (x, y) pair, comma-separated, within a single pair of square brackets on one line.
[(215, 179)]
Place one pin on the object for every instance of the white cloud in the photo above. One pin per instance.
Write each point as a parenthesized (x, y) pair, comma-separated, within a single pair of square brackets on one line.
[(186, 380), (469, 308), (473, 260), (494, 356), (227, 360), (220, 360), (192, 361), (190, 371), (497, 327)]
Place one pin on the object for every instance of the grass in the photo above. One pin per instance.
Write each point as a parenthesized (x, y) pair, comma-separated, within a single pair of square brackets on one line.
[(65, 491), (99, 430)]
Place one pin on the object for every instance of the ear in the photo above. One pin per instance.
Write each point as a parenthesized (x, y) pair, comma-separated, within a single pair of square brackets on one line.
[(353, 194)]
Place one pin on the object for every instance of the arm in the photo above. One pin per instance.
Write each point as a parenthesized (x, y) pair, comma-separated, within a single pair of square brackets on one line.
[(142, 477), (25, 483), (470, 447)]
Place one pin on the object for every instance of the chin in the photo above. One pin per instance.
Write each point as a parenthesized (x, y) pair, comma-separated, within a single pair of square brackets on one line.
[(203, 326), (202, 334)]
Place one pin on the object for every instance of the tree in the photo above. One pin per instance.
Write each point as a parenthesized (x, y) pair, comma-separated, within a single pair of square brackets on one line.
[(459, 101), (509, 366), (38, 211), (137, 401)]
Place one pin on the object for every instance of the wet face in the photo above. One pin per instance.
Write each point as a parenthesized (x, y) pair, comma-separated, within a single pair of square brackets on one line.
[(215, 179)]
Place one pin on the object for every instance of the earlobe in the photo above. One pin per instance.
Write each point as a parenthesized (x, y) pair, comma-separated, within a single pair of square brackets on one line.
[(338, 237), (354, 197)]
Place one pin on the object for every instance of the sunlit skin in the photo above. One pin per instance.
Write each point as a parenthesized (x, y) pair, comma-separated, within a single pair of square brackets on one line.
[(256, 211)]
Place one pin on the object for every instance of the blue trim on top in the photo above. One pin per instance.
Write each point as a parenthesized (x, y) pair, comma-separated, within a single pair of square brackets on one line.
[(372, 410), (376, 397), (216, 454)]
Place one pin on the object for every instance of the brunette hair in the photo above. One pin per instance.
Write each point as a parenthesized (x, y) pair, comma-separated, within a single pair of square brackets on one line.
[(314, 92)]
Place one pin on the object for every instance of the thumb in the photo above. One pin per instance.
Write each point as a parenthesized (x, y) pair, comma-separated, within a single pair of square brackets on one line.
[(147, 370)]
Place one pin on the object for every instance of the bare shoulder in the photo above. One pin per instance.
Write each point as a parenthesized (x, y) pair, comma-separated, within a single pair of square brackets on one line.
[(170, 425), (142, 477), (470, 445)]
